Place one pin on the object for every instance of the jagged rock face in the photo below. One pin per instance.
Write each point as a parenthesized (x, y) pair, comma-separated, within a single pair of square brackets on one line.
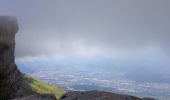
[(10, 76), (98, 95)]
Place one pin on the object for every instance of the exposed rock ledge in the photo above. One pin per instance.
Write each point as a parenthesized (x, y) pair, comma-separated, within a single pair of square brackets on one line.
[(38, 97), (99, 95), (88, 95)]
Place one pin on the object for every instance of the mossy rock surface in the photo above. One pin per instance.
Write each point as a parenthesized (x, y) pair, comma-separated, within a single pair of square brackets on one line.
[(33, 86)]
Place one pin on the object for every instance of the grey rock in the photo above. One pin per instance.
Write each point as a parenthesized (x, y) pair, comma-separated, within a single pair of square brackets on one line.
[(98, 95), (38, 97), (8, 25), (10, 76)]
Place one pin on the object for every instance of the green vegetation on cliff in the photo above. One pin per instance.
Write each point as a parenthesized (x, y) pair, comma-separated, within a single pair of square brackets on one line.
[(33, 86)]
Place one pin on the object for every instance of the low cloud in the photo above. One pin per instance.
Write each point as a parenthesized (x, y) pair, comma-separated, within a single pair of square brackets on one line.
[(89, 28)]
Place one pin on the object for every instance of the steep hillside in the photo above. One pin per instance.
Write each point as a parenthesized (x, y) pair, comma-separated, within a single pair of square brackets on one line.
[(32, 86)]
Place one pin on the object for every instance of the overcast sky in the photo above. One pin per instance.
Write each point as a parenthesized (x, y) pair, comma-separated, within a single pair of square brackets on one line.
[(117, 28)]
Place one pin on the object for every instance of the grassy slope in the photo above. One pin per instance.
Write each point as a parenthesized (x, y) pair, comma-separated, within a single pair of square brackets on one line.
[(32, 86)]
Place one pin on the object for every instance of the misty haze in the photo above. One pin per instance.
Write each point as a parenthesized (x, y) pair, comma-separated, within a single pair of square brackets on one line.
[(120, 46)]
